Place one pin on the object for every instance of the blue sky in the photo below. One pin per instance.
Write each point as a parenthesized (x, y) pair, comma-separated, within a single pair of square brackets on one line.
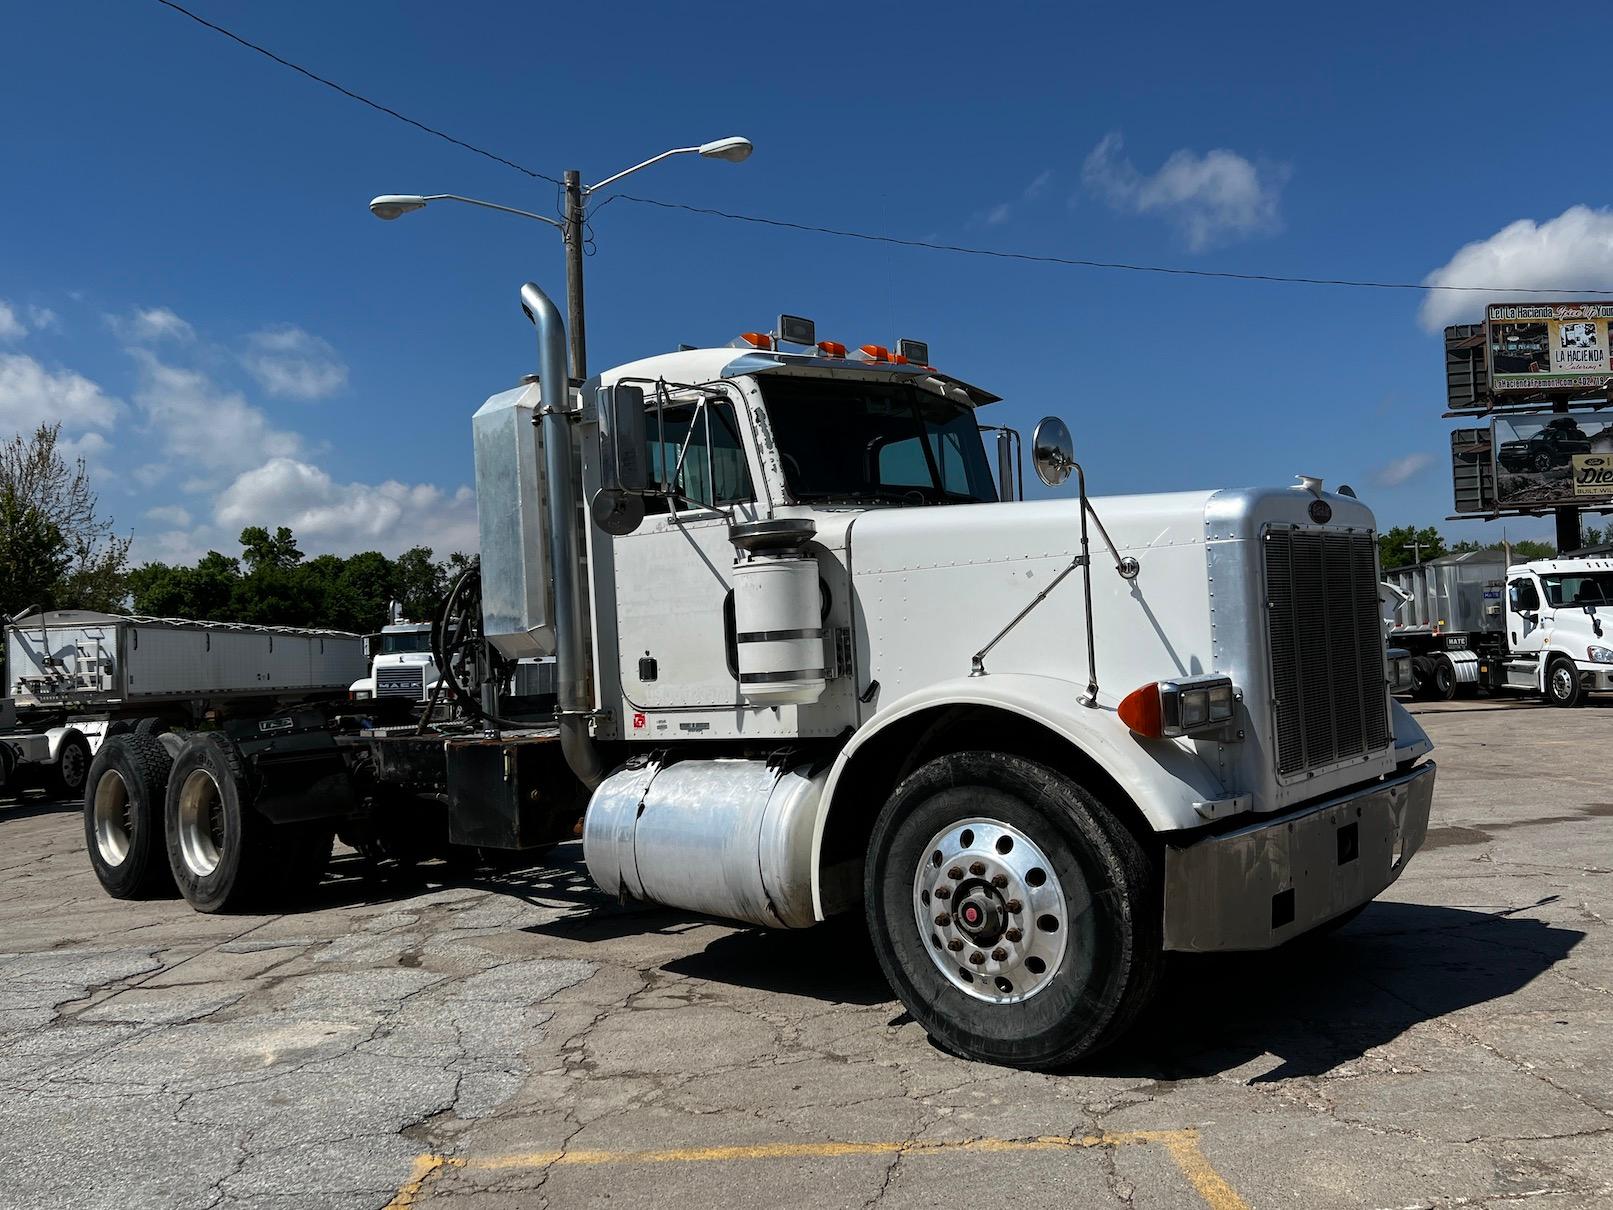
[(189, 277)]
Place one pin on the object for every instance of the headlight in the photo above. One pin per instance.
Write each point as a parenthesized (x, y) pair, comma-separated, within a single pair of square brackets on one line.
[(1183, 706), (1401, 677), (1600, 655)]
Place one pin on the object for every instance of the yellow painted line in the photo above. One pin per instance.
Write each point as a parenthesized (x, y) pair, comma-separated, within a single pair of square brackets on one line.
[(1182, 1146)]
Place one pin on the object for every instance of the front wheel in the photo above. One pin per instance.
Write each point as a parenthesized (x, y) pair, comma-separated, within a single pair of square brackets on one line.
[(1013, 914), (1562, 684)]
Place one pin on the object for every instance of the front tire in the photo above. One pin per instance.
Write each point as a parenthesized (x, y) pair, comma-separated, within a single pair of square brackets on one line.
[(1562, 684), (123, 817), (1035, 939)]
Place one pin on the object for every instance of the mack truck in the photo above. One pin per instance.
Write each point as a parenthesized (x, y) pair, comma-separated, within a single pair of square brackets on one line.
[(401, 666), (811, 659), (1475, 621)]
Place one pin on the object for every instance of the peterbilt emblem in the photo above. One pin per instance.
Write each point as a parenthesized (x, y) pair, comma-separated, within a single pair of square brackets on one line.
[(1321, 512)]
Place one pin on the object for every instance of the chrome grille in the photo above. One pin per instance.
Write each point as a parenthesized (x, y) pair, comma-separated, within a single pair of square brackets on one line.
[(400, 682), (1331, 701)]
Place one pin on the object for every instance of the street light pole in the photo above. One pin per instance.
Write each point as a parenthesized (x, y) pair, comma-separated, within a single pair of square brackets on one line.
[(392, 205), (575, 327)]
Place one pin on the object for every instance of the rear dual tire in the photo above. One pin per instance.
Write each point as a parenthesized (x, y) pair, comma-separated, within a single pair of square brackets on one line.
[(1035, 940), (224, 855), (123, 816)]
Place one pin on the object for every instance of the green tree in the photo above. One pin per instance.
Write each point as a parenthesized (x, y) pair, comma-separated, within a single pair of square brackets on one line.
[(420, 584), (260, 549), (1407, 544), (61, 553), (1529, 548)]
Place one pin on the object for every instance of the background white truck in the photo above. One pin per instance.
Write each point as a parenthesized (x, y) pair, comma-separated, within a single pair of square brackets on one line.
[(1473, 622), (401, 664), (811, 660)]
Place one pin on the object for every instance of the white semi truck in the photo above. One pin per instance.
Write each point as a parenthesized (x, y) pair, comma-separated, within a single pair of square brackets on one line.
[(811, 660), (401, 664), (1471, 621)]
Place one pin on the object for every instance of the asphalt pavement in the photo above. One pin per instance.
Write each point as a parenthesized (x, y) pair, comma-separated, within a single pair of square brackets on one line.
[(517, 1040)]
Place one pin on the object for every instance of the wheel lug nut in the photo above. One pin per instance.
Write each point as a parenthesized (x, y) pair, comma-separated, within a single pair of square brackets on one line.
[(944, 919), (977, 868), (999, 881), (1012, 935), (1014, 906), (977, 958), (955, 945), (999, 954), (954, 872), (943, 892)]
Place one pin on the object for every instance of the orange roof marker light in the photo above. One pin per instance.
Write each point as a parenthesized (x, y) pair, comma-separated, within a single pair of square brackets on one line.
[(831, 348), (752, 340), (872, 353)]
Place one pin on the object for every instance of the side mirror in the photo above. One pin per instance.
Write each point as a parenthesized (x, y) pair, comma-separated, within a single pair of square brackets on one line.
[(624, 460), (1052, 451)]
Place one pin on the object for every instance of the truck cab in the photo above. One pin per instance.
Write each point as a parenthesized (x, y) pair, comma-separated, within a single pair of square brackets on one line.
[(1558, 616), (402, 667), (813, 658)]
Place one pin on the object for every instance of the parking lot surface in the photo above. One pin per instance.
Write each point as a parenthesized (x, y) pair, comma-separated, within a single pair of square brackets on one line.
[(519, 1040)]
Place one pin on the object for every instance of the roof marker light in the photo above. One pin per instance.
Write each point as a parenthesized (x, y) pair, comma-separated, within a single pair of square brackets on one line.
[(752, 340), (873, 353), (831, 348)]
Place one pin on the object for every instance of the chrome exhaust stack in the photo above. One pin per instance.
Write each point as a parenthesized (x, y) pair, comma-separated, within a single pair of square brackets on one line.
[(574, 697)]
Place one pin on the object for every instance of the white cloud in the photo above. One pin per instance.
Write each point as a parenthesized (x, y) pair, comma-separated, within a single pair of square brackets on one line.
[(31, 395), (92, 447), (999, 214), (1573, 251), (294, 364), (327, 515), (203, 425), (169, 514), (1213, 198), (1401, 470), (11, 328), (42, 318), (149, 474), (151, 326)]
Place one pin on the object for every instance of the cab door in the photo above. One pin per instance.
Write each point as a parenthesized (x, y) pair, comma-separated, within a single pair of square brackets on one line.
[(1526, 621), (672, 574)]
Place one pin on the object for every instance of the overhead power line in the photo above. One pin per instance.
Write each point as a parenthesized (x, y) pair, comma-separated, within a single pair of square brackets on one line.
[(1079, 262), (359, 97), (872, 238)]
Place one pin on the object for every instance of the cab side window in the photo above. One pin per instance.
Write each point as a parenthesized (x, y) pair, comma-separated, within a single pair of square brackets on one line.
[(1523, 595), (714, 471)]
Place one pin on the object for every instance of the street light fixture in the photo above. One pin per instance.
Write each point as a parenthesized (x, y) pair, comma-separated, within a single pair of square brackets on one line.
[(389, 206)]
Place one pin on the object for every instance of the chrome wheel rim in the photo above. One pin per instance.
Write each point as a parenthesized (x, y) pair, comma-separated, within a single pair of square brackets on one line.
[(995, 916), (201, 823), (1562, 682), (73, 766), (114, 819)]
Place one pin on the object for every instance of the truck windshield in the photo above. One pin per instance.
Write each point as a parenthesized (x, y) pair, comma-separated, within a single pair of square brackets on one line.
[(393, 644), (858, 442), (1591, 588)]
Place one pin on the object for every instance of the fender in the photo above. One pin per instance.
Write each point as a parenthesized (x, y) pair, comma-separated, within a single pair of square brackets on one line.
[(1164, 778), (56, 736)]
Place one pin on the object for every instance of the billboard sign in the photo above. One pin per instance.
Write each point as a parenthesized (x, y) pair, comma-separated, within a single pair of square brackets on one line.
[(1549, 347), (1543, 460)]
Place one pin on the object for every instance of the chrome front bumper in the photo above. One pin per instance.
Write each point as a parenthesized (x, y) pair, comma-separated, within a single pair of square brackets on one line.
[(1267, 883)]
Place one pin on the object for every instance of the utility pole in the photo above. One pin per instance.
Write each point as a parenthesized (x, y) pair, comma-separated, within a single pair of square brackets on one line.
[(575, 331), (1567, 517)]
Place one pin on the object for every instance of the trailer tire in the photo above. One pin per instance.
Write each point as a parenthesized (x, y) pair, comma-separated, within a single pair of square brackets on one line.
[(218, 846), (123, 817), (1035, 971), (152, 726), (72, 767), (1562, 683), (1442, 681)]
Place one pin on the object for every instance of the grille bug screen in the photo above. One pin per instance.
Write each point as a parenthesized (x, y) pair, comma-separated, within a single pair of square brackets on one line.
[(1326, 646)]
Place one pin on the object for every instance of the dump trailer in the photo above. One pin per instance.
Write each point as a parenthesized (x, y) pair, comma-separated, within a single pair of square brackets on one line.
[(74, 676), (811, 659), (1471, 622)]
